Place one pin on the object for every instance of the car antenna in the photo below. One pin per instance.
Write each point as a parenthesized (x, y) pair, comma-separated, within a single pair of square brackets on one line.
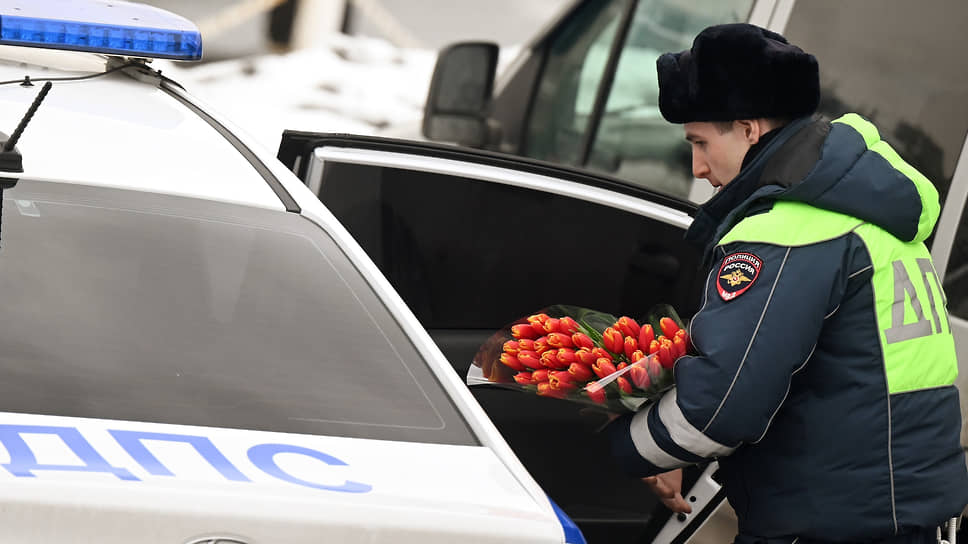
[(10, 158)]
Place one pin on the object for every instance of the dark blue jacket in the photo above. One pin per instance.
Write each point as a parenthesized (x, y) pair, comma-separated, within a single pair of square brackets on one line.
[(824, 384)]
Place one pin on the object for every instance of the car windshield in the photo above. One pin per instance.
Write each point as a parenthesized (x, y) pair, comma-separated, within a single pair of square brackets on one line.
[(129, 305)]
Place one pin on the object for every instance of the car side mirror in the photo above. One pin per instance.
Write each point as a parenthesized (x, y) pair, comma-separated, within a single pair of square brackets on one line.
[(460, 93)]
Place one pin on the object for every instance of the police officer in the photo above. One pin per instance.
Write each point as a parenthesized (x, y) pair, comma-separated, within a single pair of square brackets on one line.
[(824, 377)]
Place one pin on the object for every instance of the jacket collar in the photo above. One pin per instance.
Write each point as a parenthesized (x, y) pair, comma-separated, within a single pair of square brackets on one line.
[(716, 216)]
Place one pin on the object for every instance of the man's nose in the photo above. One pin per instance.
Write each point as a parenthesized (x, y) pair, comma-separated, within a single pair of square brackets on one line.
[(700, 169)]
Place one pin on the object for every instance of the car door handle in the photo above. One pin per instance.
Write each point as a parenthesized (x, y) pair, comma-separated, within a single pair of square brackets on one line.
[(705, 496)]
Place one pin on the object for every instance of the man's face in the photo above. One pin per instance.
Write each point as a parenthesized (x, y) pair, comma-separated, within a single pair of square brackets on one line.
[(716, 156)]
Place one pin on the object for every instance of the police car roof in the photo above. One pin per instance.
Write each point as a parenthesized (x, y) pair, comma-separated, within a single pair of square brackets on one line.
[(114, 130)]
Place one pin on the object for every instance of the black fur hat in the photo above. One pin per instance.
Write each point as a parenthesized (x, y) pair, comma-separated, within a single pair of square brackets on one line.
[(737, 71)]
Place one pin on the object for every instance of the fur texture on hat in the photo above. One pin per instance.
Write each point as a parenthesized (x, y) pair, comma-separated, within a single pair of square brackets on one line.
[(737, 71)]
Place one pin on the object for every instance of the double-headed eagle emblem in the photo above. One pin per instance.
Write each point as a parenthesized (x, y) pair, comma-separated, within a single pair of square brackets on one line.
[(736, 277)]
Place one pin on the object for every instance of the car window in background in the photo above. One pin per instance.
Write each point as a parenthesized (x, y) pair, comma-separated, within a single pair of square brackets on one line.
[(136, 306), (898, 64), (633, 141), (569, 83)]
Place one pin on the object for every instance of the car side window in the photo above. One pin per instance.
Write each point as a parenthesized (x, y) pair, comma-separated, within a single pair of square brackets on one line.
[(566, 92), (633, 141), (471, 254), (894, 63)]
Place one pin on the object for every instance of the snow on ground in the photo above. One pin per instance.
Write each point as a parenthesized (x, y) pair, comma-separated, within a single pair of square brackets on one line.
[(349, 84)]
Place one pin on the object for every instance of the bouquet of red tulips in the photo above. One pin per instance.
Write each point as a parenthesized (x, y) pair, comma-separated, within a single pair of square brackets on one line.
[(573, 353)]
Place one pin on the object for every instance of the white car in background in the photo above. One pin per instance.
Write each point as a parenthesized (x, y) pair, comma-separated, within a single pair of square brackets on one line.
[(193, 349)]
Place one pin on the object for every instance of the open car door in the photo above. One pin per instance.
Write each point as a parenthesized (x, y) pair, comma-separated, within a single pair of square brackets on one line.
[(474, 240)]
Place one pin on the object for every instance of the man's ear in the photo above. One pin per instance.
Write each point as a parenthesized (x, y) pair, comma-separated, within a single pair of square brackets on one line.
[(752, 130)]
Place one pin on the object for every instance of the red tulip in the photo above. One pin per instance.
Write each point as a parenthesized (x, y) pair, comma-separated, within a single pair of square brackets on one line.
[(630, 345), (681, 333), (602, 353), (550, 359), (597, 394), (562, 381), (637, 356), (551, 325), (654, 346), (525, 344), (559, 340), (640, 376), (537, 318), (655, 369), (646, 336), (621, 365), (541, 345), (512, 361), (566, 356), (628, 326), (523, 378), (624, 384), (530, 359), (523, 331), (539, 376), (668, 326), (665, 356), (679, 347), (603, 367), (581, 372), (586, 356), (545, 390), (567, 325), (612, 339), (581, 340), (512, 347)]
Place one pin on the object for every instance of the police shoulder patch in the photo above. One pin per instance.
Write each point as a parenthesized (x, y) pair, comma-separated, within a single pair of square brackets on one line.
[(737, 274)]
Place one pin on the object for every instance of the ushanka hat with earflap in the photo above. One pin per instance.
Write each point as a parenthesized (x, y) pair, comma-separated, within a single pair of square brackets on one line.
[(737, 71)]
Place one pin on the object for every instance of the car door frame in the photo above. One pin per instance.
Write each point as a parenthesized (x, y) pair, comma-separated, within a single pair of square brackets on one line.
[(306, 154)]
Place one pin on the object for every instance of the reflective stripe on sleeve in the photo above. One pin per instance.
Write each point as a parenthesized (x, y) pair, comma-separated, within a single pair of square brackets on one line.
[(684, 434), (647, 447)]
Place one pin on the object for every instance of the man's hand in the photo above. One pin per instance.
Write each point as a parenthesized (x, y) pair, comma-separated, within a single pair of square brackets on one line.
[(668, 487)]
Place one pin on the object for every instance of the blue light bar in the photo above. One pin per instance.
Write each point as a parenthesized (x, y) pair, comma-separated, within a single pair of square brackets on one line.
[(111, 27)]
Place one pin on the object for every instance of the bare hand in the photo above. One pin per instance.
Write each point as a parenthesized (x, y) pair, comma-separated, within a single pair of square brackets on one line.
[(668, 487)]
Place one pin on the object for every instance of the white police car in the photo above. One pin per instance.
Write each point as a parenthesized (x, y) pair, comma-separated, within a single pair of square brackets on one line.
[(192, 348)]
